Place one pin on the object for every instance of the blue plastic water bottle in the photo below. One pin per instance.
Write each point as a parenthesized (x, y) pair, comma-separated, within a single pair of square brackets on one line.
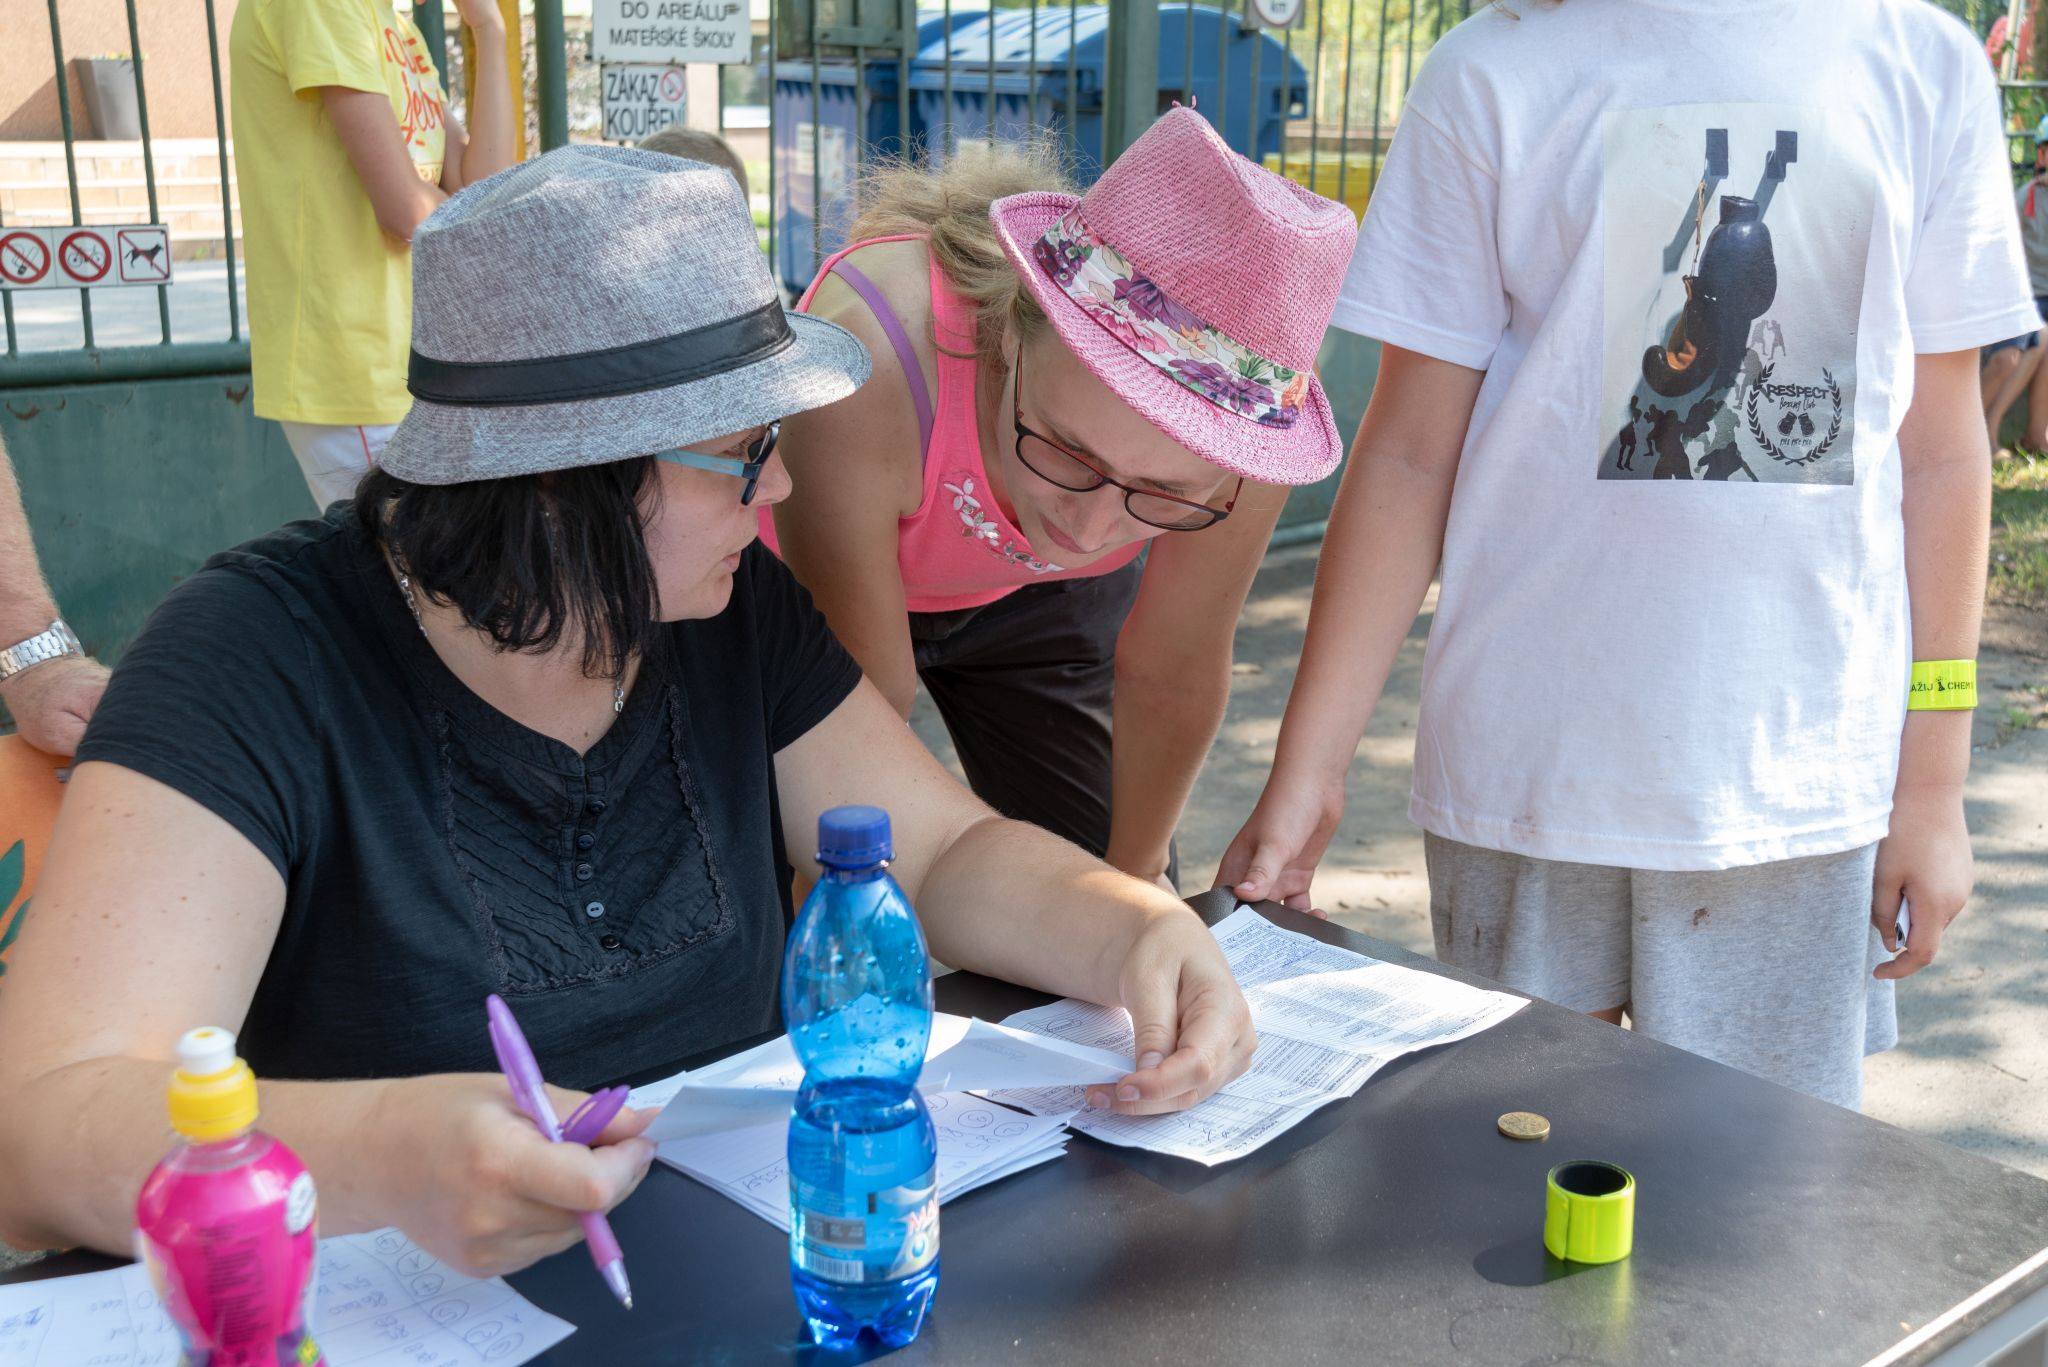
[(863, 1181)]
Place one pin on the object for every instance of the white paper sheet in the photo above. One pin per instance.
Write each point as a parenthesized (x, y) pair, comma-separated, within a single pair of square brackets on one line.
[(379, 1302), (755, 1087), (1328, 1019), (979, 1142)]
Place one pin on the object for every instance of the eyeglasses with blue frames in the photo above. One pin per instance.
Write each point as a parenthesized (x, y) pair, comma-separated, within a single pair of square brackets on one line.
[(760, 449)]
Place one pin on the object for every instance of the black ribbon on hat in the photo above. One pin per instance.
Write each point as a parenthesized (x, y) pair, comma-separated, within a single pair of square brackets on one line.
[(634, 368)]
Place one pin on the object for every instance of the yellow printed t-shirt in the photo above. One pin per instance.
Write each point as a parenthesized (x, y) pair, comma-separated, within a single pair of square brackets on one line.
[(330, 295)]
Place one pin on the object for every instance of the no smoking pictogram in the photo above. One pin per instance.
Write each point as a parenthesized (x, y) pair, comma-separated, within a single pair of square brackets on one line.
[(85, 256), (672, 87), (24, 258)]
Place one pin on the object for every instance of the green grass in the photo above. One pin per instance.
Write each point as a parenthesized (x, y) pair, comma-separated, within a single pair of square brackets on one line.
[(2019, 530)]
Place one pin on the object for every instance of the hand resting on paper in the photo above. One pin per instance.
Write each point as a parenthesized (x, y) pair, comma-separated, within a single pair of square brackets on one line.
[(1194, 1031)]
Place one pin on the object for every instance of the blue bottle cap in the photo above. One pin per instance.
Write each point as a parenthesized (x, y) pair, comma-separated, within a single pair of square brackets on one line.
[(854, 838)]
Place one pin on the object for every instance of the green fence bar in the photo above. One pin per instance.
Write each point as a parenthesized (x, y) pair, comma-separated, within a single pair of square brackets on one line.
[(1031, 80), (70, 153), (1286, 96), (1379, 86), (1187, 54), (432, 22), (1408, 59), (1073, 83), (1344, 123), (1255, 101), (906, 52), (220, 143), (861, 102), (946, 63), (1133, 94), (550, 73), (163, 292), (1315, 95), (74, 365), (1220, 116), (818, 146)]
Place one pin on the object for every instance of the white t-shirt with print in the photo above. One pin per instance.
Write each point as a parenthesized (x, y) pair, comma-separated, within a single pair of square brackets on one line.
[(1689, 243)]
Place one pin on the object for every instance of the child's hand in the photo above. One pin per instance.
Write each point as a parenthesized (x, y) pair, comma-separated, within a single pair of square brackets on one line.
[(1274, 857), (1926, 861)]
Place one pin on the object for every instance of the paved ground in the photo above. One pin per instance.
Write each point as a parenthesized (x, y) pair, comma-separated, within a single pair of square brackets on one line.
[(1972, 1067), (48, 320)]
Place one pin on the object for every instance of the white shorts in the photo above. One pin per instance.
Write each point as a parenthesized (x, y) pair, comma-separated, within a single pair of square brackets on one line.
[(333, 457), (1765, 968)]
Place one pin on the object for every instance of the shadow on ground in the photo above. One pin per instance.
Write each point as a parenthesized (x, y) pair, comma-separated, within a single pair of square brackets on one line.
[(1972, 1065)]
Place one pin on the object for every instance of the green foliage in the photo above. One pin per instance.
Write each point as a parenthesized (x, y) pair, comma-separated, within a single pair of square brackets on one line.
[(2019, 530)]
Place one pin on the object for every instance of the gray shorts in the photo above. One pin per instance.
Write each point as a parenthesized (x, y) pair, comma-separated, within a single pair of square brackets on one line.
[(1765, 968)]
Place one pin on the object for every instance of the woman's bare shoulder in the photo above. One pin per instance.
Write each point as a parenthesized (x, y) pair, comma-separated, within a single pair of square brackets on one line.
[(901, 271)]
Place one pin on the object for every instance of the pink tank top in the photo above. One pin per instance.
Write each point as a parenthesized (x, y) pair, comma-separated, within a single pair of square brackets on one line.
[(957, 550)]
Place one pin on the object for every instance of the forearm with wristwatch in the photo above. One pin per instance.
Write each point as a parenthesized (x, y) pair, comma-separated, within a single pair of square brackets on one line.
[(53, 642), (50, 687)]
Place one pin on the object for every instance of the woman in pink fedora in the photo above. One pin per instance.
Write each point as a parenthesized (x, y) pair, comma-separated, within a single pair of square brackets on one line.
[(1061, 381)]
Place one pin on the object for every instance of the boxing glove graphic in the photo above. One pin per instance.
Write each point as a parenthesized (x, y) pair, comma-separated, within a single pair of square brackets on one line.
[(1733, 282)]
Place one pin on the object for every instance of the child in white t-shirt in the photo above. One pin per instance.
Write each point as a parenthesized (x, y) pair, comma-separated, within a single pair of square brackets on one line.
[(1664, 753)]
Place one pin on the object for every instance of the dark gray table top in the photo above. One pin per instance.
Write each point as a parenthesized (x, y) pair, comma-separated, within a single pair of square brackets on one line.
[(1396, 1226)]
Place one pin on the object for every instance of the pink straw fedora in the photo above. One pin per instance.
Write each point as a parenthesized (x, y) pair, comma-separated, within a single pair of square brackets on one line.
[(1198, 286)]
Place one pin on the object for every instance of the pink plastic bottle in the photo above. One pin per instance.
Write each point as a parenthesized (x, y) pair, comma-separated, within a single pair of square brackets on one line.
[(226, 1222)]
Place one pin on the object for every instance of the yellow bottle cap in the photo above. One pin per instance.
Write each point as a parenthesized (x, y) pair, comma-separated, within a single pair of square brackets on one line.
[(213, 1093)]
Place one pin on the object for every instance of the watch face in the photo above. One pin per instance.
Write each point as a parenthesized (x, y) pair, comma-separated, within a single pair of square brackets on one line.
[(1277, 13)]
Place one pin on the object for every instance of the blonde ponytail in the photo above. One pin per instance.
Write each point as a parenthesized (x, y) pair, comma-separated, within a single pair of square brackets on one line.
[(949, 207)]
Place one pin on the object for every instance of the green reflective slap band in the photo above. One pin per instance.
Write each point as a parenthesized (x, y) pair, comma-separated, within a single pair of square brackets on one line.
[(1589, 1213), (1942, 686)]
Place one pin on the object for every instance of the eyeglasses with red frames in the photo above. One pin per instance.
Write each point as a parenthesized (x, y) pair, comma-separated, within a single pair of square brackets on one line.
[(1064, 469)]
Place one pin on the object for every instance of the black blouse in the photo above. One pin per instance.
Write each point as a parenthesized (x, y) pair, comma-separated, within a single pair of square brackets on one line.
[(628, 903)]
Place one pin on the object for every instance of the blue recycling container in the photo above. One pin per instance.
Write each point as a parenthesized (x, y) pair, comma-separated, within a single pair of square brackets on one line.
[(843, 141), (1252, 120), (1028, 97)]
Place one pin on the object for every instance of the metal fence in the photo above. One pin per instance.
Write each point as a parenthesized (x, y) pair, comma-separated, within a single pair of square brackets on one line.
[(91, 361), (849, 81)]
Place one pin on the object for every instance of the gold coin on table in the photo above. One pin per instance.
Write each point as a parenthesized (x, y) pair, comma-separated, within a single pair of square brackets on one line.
[(1523, 1125)]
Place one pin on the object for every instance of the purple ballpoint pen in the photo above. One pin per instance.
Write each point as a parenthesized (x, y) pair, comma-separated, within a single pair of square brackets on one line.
[(530, 1094), (587, 1121)]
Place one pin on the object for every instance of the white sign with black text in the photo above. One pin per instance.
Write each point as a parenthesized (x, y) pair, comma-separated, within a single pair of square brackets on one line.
[(640, 99), (671, 31)]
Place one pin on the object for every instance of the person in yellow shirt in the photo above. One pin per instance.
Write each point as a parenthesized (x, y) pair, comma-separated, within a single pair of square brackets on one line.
[(343, 145)]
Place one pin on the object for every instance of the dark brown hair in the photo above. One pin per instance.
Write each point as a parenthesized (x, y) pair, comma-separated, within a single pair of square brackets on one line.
[(530, 558)]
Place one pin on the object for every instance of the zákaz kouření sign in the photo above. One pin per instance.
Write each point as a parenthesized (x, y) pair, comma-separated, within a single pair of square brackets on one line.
[(671, 31), (639, 100)]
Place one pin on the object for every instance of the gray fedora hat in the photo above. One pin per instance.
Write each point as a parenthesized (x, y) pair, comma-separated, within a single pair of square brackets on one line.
[(594, 304)]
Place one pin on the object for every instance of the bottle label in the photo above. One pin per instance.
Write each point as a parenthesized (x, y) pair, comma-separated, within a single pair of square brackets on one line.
[(300, 1203), (235, 1274), (872, 1236)]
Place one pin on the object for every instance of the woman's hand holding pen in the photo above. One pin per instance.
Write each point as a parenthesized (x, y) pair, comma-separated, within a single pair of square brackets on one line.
[(473, 1182)]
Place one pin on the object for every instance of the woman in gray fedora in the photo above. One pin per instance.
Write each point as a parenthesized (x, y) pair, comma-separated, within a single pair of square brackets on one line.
[(534, 715)]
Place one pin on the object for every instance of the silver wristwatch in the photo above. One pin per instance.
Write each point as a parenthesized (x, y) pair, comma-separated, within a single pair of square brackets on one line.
[(41, 648)]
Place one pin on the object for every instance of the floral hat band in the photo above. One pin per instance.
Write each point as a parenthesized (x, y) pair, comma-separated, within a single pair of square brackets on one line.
[(1104, 284)]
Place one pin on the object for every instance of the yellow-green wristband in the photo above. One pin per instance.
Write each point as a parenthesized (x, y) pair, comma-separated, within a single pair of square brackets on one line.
[(1942, 686)]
